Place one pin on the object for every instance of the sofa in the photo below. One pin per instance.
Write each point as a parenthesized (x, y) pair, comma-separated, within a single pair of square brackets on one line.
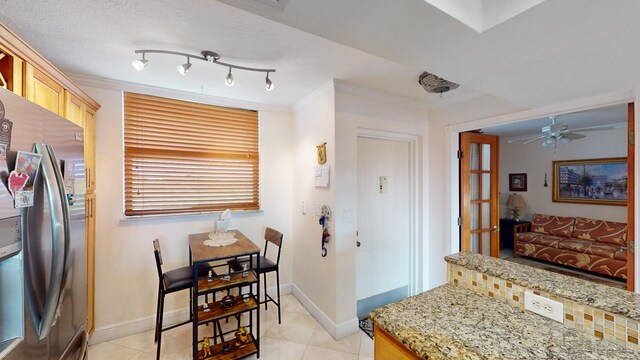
[(588, 244)]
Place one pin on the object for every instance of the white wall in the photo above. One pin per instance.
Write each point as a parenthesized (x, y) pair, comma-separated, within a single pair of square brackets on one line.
[(126, 278), (326, 286), (535, 161), (314, 276), (353, 113)]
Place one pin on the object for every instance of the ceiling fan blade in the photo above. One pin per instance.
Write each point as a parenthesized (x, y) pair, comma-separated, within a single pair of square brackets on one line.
[(573, 136), (593, 128), (522, 138), (532, 140)]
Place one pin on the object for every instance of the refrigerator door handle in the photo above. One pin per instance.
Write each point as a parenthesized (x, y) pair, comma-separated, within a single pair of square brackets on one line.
[(60, 239), (80, 341)]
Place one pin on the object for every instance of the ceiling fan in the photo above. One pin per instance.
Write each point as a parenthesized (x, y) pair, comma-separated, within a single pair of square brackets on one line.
[(558, 133)]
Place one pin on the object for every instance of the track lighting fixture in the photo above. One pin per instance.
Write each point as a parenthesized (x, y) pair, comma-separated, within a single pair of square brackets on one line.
[(269, 84), (229, 79), (184, 68), (206, 55), (139, 64)]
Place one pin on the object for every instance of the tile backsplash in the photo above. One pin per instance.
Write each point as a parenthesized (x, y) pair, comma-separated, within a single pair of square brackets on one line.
[(592, 321)]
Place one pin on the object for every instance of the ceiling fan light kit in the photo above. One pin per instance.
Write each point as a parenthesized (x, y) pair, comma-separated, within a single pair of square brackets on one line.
[(206, 55)]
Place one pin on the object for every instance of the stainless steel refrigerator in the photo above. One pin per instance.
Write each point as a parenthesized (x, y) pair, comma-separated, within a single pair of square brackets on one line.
[(43, 309)]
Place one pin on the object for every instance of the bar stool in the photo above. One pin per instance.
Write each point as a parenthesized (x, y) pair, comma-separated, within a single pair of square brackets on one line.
[(170, 282), (266, 266)]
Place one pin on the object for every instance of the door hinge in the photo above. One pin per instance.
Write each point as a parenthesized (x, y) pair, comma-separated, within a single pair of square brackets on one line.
[(632, 247), (632, 137), (460, 221), (460, 154)]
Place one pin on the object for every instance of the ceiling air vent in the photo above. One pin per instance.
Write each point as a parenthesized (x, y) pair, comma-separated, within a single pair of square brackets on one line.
[(434, 84)]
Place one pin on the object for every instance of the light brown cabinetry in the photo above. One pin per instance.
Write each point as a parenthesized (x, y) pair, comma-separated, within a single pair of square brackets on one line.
[(90, 148), (25, 72), (74, 109), (43, 90), (386, 347), (90, 213), (11, 68)]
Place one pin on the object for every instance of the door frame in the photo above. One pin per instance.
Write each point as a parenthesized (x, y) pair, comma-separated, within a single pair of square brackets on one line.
[(415, 246), (452, 171)]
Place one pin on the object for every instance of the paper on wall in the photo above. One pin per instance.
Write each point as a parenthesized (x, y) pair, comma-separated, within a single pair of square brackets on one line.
[(322, 176)]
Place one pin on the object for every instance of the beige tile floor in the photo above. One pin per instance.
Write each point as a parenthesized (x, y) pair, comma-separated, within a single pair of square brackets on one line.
[(298, 337)]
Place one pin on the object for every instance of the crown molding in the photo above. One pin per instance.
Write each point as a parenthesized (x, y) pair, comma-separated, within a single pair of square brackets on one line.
[(322, 91), (348, 88), (119, 85)]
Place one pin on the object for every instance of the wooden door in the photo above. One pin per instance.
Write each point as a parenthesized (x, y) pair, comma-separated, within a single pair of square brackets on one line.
[(479, 206), (90, 149), (630, 197), (43, 90), (90, 214)]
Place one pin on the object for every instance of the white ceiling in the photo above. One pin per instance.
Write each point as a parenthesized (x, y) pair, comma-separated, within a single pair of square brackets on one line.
[(98, 38), (553, 52), (610, 115)]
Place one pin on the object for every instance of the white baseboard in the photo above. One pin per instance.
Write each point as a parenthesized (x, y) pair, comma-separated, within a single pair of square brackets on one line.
[(147, 323), (337, 331)]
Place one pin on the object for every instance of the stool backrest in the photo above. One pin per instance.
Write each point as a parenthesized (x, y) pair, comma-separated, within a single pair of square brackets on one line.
[(158, 256), (274, 237)]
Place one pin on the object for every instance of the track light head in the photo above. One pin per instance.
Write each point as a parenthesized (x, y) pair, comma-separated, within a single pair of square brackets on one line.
[(229, 80), (139, 64), (269, 83), (184, 68)]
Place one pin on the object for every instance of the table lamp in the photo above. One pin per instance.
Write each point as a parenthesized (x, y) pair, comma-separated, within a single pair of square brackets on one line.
[(515, 202)]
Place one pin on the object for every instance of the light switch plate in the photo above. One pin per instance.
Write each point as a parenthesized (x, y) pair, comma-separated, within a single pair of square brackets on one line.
[(542, 306)]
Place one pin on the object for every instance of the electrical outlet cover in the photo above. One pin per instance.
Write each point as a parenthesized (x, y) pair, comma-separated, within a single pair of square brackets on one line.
[(551, 309)]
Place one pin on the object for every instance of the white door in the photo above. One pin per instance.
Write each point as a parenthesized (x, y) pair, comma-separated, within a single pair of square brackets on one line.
[(384, 224)]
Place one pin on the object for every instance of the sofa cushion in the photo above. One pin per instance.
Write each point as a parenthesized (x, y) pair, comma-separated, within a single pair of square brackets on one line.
[(539, 239), (590, 247), (552, 225), (599, 230)]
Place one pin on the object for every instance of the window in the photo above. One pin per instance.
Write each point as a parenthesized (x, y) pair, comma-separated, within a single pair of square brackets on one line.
[(182, 157)]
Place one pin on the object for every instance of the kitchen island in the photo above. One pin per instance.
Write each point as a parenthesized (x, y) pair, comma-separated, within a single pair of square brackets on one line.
[(480, 314)]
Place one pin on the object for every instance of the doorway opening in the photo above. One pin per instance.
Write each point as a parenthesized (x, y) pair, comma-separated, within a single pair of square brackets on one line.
[(574, 167)]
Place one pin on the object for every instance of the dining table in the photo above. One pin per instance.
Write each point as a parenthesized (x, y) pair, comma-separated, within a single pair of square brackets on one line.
[(201, 254)]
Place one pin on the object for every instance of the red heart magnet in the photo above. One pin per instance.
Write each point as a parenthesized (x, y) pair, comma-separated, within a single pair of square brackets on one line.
[(17, 182)]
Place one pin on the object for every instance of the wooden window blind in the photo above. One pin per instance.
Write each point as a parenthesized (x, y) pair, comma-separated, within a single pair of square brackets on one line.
[(184, 157)]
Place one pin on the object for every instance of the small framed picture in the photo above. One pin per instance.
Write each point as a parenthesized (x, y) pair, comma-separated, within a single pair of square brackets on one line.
[(517, 182)]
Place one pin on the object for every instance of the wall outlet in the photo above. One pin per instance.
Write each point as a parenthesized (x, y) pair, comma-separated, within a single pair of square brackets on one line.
[(542, 306)]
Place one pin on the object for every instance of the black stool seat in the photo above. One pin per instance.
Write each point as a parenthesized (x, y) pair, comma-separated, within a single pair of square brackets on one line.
[(182, 278), (266, 265)]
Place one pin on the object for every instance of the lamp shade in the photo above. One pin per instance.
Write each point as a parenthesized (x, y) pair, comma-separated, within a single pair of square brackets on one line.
[(516, 200)]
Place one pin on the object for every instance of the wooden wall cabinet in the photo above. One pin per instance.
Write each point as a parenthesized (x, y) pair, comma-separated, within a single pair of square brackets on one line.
[(11, 70), (33, 77), (90, 149), (43, 90), (74, 109)]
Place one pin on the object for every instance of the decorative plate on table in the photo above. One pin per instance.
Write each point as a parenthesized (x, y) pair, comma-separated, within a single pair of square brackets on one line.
[(220, 239)]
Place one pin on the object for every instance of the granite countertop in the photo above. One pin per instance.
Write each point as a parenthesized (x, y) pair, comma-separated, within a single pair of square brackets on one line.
[(616, 301), (451, 322)]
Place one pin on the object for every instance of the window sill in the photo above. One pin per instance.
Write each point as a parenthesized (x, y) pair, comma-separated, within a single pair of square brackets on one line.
[(191, 216)]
